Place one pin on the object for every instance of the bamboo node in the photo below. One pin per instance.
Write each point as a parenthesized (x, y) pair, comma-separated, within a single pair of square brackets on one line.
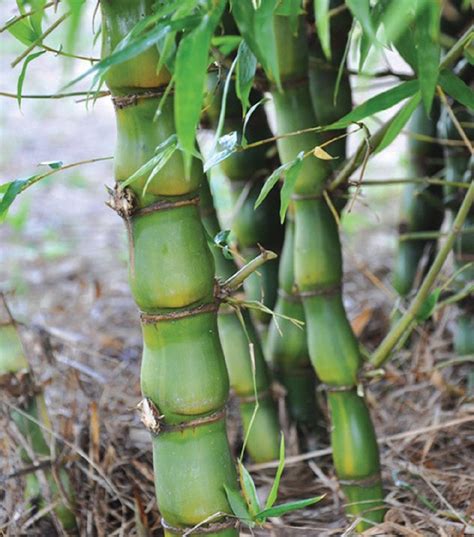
[(124, 101), (322, 290), (289, 297), (122, 201), (202, 529), (152, 318), (150, 416)]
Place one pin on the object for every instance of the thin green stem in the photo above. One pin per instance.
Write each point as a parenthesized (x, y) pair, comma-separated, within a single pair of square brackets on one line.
[(56, 95), (418, 235), (235, 281), (405, 323), (412, 180), (38, 41)]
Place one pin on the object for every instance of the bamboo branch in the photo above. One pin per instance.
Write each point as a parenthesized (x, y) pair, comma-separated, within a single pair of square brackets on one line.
[(412, 180), (420, 235), (22, 16), (235, 281), (382, 353)]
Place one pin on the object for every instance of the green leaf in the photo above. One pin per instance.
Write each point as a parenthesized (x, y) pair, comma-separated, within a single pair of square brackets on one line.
[(398, 122), (248, 490), (162, 159), (428, 50), (76, 10), (284, 508), (23, 32), (228, 145), (225, 92), (291, 176), (291, 9), (321, 13), (361, 11), (272, 496), (226, 43), (365, 42), (376, 104), (271, 182), (255, 23), (190, 76), (245, 73), (427, 308), (249, 114), (238, 506), (53, 164), (10, 191), (457, 88), (21, 78)]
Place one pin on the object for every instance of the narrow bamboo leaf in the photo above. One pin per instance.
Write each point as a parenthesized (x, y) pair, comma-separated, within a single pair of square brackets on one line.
[(23, 32), (282, 509), (53, 164), (36, 18), (361, 11), (161, 162), (272, 496), (271, 182), (21, 78), (133, 45), (228, 145), (246, 68), (76, 10), (376, 104), (225, 92), (321, 13), (190, 76), (248, 116), (238, 506), (248, 490), (291, 9), (10, 191), (322, 154), (399, 121), (291, 175), (428, 50), (255, 22), (457, 88), (429, 305), (365, 42), (226, 43)]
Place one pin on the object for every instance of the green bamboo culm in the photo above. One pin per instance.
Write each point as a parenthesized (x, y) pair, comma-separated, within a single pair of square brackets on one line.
[(286, 344), (17, 382), (183, 377), (246, 171), (332, 345), (239, 341), (422, 206), (460, 167)]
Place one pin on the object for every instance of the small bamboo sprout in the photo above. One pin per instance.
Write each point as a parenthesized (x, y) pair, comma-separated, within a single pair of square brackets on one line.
[(17, 383), (244, 357), (183, 377)]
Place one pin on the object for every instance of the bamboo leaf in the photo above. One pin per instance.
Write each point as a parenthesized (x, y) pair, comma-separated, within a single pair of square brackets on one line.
[(248, 490), (255, 22), (376, 104), (272, 181), (190, 76), (457, 88), (429, 305), (365, 42), (76, 10), (23, 32), (291, 176), (163, 158), (320, 153), (246, 68), (321, 13), (238, 506), (282, 509), (272, 496), (248, 116), (10, 191), (229, 145), (361, 11), (21, 78), (399, 121), (53, 164), (428, 50)]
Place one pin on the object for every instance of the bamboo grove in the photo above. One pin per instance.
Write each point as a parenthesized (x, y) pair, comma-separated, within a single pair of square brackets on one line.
[(260, 305)]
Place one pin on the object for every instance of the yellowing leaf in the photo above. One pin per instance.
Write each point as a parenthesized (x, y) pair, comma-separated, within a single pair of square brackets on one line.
[(320, 153)]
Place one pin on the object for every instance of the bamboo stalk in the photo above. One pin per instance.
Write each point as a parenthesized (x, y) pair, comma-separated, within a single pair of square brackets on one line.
[(17, 382), (183, 376), (332, 345)]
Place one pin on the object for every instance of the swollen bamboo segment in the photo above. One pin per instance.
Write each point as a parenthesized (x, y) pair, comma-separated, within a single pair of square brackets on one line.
[(263, 439), (17, 382), (332, 345), (184, 377)]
